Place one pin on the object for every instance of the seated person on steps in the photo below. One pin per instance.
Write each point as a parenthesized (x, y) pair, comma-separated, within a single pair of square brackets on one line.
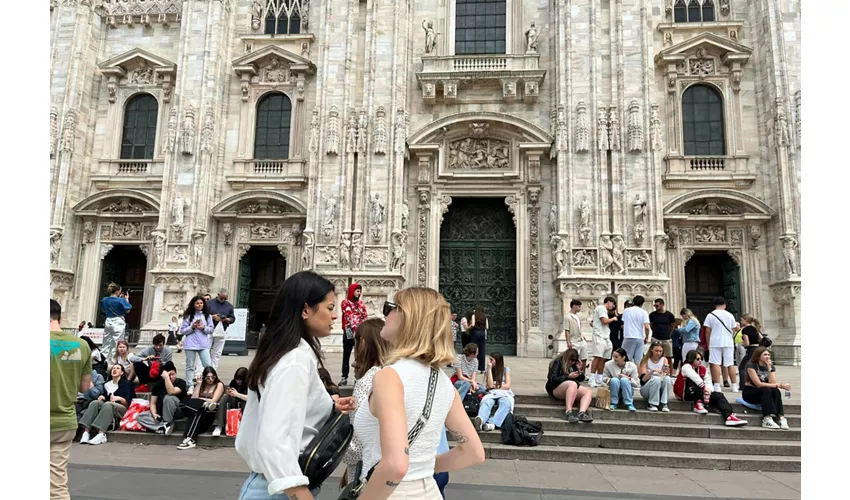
[(201, 407), (566, 372), (108, 407), (141, 361), (694, 384), (466, 367), (165, 402), (84, 399), (621, 375), (761, 387), (235, 396), (655, 381), (498, 380)]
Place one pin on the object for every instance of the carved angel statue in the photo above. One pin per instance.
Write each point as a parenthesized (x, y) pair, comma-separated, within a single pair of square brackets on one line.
[(789, 251), (531, 39), (560, 253), (430, 36)]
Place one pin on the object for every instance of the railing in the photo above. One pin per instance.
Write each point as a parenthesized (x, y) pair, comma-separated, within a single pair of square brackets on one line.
[(271, 167), (480, 63), (270, 170), (707, 163), (483, 63), (128, 167)]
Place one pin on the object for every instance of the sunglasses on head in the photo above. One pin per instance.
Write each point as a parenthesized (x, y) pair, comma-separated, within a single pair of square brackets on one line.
[(389, 307)]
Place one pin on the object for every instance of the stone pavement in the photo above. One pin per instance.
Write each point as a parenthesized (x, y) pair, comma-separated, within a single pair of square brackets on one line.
[(218, 473)]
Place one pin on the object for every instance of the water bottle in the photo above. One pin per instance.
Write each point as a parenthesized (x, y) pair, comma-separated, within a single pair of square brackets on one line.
[(788, 394)]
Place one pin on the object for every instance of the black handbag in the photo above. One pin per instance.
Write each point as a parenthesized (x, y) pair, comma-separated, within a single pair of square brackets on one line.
[(765, 341), (471, 404), (353, 489)]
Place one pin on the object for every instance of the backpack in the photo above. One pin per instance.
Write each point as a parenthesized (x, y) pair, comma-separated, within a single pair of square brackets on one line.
[(518, 431), (471, 403)]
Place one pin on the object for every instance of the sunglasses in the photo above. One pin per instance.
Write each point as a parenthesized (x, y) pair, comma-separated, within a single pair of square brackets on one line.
[(389, 307)]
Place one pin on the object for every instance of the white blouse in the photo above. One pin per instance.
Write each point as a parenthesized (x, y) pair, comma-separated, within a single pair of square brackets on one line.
[(278, 427)]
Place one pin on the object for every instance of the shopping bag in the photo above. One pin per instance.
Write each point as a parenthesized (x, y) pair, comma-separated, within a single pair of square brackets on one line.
[(602, 399), (234, 416), (155, 369), (218, 333), (128, 421)]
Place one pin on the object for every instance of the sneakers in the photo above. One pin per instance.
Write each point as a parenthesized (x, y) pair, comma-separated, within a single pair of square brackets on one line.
[(700, 408), (168, 429), (212, 406), (477, 422), (734, 421), (725, 383), (216, 432), (86, 438), (187, 444), (593, 383), (613, 406), (735, 388), (651, 407), (343, 382), (664, 408), (571, 417), (584, 417), (99, 439), (768, 423), (632, 408), (488, 427), (783, 423), (717, 388)]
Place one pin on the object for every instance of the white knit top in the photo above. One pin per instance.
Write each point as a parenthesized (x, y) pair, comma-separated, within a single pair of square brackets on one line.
[(414, 377)]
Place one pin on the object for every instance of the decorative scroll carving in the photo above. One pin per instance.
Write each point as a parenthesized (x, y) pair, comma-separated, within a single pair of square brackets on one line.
[(104, 250), (737, 255), (445, 202), (243, 249), (584, 258), (560, 253), (655, 128), (635, 129), (582, 128), (422, 237), (789, 252), (613, 128), (638, 259), (380, 131), (687, 254), (307, 251), (478, 154), (584, 221), (602, 129), (333, 131), (639, 208), (188, 130), (512, 202), (710, 234), (399, 246)]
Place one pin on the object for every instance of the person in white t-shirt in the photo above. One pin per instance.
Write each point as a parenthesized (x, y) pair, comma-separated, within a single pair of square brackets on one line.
[(636, 330), (602, 346), (572, 332), (719, 327)]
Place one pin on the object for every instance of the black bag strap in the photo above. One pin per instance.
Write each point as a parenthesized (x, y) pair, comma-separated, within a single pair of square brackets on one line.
[(722, 323)]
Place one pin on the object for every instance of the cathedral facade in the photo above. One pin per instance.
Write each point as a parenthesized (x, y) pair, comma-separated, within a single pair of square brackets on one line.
[(520, 154)]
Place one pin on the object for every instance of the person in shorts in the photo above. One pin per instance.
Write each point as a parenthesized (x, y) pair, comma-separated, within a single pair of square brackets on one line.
[(662, 323), (719, 335), (572, 332), (602, 347)]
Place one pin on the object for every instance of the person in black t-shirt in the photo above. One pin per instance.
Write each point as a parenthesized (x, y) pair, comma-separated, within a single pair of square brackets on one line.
[(166, 396), (750, 336), (662, 321), (616, 329)]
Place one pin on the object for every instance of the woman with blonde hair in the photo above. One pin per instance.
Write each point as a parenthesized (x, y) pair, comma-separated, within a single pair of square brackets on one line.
[(122, 357), (566, 373), (656, 384), (412, 399), (689, 332)]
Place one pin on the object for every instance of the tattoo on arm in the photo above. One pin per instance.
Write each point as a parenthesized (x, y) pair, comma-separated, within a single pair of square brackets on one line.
[(391, 484), (293, 496), (458, 437)]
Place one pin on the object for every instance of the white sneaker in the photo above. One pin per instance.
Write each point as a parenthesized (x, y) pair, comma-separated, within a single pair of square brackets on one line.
[(99, 439), (593, 382), (477, 422), (86, 438), (216, 432), (783, 423), (735, 388), (169, 429), (717, 388), (187, 444), (488, 427), (768, 423)]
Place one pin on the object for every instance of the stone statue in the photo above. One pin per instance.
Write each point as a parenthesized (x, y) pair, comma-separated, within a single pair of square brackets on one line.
[(583, 258), (171, 131), (560, 253), (330, 214), (88, 232), (177, 209), (307, 252), (582, 128), (142, 74), (613, 128), (405, 215), (333, 131), (661, 253), (601, 129), (618, 253), (197, 249), (158, 247), (345, 251), (606, 254), (639, 208), (55, 246), (356, 250), (398, 240), (380, 131), (531, 40), (430, 37), (377, 210), (188, 130), (227, 230), (313, 144), (256, 15), (553, 219), (635, 128), (362, 131), (789, 251), (584, 221), (351, 133)]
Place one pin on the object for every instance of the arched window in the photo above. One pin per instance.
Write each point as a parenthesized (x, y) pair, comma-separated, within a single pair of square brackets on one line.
[(480, 26), (702, 121), (680, 12), (271, 139), (693, 11), (283, 17), (694, 8), (139, 135)]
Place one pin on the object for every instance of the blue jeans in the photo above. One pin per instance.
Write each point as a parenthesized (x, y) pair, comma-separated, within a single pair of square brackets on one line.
[(486, 408), (634, 349), (621, 386), (442, 478), (657, 390), (463, 387), (204, 354), (257, 488)]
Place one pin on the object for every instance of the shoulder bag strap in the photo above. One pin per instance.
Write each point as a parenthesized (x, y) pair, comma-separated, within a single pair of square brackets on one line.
[(722, 323)]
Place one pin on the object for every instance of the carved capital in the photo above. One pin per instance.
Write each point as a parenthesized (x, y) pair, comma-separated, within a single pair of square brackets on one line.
[(445, 202)]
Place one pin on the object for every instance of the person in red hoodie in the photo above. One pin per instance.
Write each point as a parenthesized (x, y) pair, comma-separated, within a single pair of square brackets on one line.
[(353, 313)]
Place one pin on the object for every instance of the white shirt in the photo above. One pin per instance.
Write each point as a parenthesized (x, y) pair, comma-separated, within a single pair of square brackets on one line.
[(600, 329), (634, 319), (276, 428), (423, 454), (720, 336)]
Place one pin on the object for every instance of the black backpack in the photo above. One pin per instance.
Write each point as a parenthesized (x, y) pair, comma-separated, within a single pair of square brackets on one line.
[(471, 403), (518, 431)]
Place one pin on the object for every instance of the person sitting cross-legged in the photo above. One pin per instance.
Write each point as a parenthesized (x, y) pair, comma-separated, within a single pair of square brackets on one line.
[(201, 407), (143, 359), (498, 380), (566, 373), (693, 384), (621, 375), (466, 366), (165, 402), (108, 407), (235, 396)]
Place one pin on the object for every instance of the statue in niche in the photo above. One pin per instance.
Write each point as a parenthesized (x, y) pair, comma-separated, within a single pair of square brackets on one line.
[(307, 249), (356, 250), (55, 246), (398, 240), (639, 208), (553, 219), (531, 40), (345, 251), (405, 215), (789, 252), (330, 213), (584, 221), (177, 210), (606, 254), (430, 37), (560, 253), (618, 253), (158, 247)]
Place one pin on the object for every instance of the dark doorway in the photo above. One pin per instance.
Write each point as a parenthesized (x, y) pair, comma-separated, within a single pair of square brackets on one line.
[(125, 265), (478, 264), (709, 275), (261, 272)]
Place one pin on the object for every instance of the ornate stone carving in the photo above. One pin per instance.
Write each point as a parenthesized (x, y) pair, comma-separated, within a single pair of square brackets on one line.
[(512, 202), (126, 230), (158, 247), (362, 131), (445, 202), (104, 250), (478, 129), (582, 128), (376, 256), (754, 232), (672, 237), (405, 215), (584, 258), (54, 129), (400, 130), (171, 131), (672, 78), (602, 129), (606, 254), (227, 231), (313, 145), (737, 255), (179, 253), (509, 89), (399, 244), (345, 251), (780, 123), (263, 208), (724, 7), (638, 259), (351, 132), (142, 75), (686, 237), (618, 253), (243, 249), (88, 233), (55, 246), (207, 131), (275, 71), (478, 154), (144, 12), (307, 251), (106, 231), (687, 254), (356, 250), (560, 254), (635, 129), (661, 241), (329, 217), (531, 40), (264, 231), (710, 234), (712, 207), (256, 15), (560, 129), (333, 131), (798, 117), (145, 249), (736, 237), (430, 37), (380, 131), (639, 209), (123, 205), (702, 65), (584, 221), (377, 209), (552, 219), (613, 128), (69, 128), (188, 130), (450, 89), (422, 237), (789, 253), (655, 128), (534, 254), (197, 248), (178, 207)]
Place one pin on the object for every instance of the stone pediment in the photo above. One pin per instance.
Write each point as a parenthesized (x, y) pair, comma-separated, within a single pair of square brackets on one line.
[(259, 205), (719, 204), (138, 66), (710, 44), (272, 65), (118, 202)]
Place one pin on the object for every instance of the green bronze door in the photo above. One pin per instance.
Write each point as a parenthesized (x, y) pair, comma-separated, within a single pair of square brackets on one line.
[(731, 285), (478, 265)]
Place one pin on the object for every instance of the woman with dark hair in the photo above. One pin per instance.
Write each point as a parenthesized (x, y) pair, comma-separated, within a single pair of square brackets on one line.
[(465, 328), (621, 375), (761, 388), (115, 306), (287, 401), (197, 331), (108, 407), (564, 382), (235, 396), (498, 380), (750, 338), (694, 385), (479, 326), (201, 407)]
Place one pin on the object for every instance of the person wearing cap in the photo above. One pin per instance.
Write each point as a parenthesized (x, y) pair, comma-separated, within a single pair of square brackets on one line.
[(166, 396)]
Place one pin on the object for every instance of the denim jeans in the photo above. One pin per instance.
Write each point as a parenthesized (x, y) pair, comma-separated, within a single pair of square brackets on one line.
[(463, 387), (442, 478), (657, 389), (191, 354), (257, 488), (624, 387), (487, 407)]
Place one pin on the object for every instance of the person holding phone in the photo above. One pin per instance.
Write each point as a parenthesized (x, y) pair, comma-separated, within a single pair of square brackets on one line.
[(761, 388), (115, 306), (656, 384), (197, 330), (566, 373)]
